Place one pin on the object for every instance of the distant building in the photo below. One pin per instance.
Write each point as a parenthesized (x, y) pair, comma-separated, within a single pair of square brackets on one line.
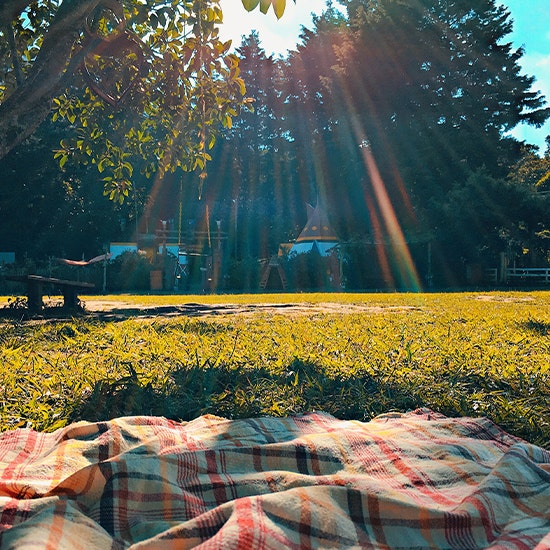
[(7, 258), (317, 235)]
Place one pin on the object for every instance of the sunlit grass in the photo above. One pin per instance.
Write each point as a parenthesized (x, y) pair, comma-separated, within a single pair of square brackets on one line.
[(460, 354)]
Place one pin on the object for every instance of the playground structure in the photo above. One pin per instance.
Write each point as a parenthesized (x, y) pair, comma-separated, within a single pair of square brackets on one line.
[(267, 267), (196, 259), (181, 256)]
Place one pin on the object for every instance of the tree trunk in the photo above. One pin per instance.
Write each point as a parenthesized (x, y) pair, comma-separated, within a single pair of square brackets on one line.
[(30, 103)]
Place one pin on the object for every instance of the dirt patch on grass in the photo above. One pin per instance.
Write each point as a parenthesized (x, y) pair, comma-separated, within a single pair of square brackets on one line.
[(119, 310), (116, 310), (500, 298)]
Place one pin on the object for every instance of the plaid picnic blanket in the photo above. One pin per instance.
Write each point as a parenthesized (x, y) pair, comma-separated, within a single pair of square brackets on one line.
[(415, 480)]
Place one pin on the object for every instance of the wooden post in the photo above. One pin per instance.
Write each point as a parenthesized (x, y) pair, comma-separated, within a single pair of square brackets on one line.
[(503, 267), (105, 274)]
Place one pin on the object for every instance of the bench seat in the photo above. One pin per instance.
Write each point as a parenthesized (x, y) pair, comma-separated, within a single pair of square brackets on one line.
[(35, 290)]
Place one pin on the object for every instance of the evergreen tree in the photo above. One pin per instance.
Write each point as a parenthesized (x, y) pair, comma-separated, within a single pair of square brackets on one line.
[(252, 167), (417, 98), (47, 211), (440, 85)]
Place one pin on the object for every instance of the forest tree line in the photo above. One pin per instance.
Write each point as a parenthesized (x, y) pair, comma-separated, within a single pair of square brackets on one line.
[(393, 115)]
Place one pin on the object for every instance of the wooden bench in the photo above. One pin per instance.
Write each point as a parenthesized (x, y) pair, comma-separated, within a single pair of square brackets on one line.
[(35, 290)]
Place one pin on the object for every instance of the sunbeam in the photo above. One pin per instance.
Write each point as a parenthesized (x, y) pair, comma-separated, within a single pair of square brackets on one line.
[(379, 243), (401, 256), (398, 243)]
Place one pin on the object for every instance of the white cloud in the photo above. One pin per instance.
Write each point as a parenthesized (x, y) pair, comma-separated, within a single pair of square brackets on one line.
[(538, 65)]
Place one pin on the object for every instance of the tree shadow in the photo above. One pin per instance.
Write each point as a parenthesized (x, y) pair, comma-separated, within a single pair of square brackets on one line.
[(241, 392), (541, 328), (16, 309)]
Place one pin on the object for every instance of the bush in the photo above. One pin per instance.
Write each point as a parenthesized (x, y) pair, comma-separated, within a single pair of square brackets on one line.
[(129, 272)]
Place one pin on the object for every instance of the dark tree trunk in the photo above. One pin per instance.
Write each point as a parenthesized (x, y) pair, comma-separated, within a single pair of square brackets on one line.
[(30, 103)]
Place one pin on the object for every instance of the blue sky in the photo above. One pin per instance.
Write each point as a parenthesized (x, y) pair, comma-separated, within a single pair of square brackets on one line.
[(531, 30)]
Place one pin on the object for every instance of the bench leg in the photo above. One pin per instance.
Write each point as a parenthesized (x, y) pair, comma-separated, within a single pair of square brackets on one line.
[(70, 297), (34, 296)]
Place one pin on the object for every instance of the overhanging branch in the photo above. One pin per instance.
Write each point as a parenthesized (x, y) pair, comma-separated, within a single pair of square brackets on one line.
[(30, 103)]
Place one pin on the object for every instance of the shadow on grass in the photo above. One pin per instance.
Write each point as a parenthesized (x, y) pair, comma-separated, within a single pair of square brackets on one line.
[(17, 310), (303, 386), (541, 328), (242, 393)]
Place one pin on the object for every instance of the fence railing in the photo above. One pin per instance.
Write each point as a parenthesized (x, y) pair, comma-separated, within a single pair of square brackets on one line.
[(527, 274), (541, 274)]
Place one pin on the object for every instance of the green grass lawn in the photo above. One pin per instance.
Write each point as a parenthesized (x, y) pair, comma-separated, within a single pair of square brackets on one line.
[(459, 354)]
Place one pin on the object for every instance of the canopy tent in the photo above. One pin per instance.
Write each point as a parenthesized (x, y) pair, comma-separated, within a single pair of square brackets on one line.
[(317, 235)]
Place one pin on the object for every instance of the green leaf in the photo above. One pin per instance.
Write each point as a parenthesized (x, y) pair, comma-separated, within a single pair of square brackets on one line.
[(264, 5), (129, 168), (242, 86), (250, 5)]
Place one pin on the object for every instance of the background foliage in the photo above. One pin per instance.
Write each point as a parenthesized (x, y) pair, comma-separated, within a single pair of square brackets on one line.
[(393, 115)]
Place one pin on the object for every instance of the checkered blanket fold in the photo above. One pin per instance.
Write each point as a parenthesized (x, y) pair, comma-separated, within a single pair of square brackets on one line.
[(415, 480)]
